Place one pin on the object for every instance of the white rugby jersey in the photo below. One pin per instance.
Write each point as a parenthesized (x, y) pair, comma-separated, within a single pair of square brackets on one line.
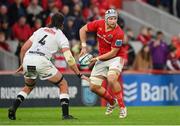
[(48, 41)]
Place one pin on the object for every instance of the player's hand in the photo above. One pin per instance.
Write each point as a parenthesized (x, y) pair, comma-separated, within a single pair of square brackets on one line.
[(93, 60), (91, 65), (83, 51), (20, 69), (85, 78)]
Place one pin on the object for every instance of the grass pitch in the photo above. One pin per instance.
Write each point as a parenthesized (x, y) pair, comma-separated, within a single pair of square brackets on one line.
[(167, 115)]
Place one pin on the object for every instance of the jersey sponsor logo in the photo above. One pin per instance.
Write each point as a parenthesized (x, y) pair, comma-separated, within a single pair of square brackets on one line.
[(118, 43), (98, 35)]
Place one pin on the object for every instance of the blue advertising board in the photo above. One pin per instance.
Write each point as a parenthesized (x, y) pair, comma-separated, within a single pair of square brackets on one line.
[(139, 90), (151, 89)]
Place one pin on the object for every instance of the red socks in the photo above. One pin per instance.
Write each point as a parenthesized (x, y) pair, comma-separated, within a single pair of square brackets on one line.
[(108, 97), (119, 96)]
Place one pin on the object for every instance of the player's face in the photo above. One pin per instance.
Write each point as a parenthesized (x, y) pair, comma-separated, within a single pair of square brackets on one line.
[(112, 21)]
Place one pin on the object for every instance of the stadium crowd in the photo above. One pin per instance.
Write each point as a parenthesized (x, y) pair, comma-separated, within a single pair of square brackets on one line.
[(20, 18)]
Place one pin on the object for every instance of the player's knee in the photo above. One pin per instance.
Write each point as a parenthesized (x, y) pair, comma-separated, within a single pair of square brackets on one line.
[(111, 80), (94, 88), (60, 81), (112, 77), (30, 83)]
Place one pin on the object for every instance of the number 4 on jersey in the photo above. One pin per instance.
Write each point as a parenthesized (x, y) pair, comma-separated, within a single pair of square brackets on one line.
[(42, 41)]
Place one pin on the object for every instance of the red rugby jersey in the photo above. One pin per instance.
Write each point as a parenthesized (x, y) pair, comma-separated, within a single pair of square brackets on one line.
[(106, 40)]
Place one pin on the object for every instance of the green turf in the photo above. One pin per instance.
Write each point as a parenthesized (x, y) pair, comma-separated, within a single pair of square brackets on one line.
[(169, 115)]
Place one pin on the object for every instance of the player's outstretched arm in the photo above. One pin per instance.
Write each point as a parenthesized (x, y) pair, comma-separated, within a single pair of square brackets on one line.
[(72, 63)]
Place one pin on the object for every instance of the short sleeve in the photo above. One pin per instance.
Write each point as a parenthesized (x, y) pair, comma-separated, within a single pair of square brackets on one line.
[(92, 26), (62, 40), (32, 37), (118, 40)]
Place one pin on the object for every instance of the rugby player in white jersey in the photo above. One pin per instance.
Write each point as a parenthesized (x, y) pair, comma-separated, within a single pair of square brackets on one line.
[(35, 59)]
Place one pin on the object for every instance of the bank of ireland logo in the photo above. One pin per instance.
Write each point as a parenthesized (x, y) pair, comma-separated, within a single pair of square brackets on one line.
[(130, 92)]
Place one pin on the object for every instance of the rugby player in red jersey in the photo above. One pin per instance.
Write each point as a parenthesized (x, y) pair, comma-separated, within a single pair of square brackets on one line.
[(110, 62)]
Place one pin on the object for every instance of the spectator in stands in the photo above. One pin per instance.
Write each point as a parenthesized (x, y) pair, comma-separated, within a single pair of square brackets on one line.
[(4, 21), (44, 15), (79, 22), (21, 31), (176, 43), (130, 34), (143, 60), (103, 5), (3, 44), (48, 19), (121, 22), (150, 33), (5, 2), (86, 3), (3, 13), (95, 14), (15, 11), (4, 26), (159, 51), (130, 53), (65, 10), (33, 10), (37, 25), (143, 35), (46, 3), (172, 61), (69, 28)]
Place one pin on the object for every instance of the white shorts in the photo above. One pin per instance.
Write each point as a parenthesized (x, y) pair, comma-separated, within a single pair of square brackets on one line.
[(102, 67), (35, 65)]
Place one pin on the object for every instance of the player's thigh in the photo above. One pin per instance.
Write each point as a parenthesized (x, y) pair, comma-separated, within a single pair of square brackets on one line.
[(48, 71), (115, 67), (113, 75), (96, 82), (100, 69), (59, 81), (55, 78), (116, 63)]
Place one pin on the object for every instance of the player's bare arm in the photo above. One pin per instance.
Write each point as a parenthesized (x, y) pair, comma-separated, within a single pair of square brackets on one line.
[(106, 56), (24, 49), (83, 38), (72, 63)]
